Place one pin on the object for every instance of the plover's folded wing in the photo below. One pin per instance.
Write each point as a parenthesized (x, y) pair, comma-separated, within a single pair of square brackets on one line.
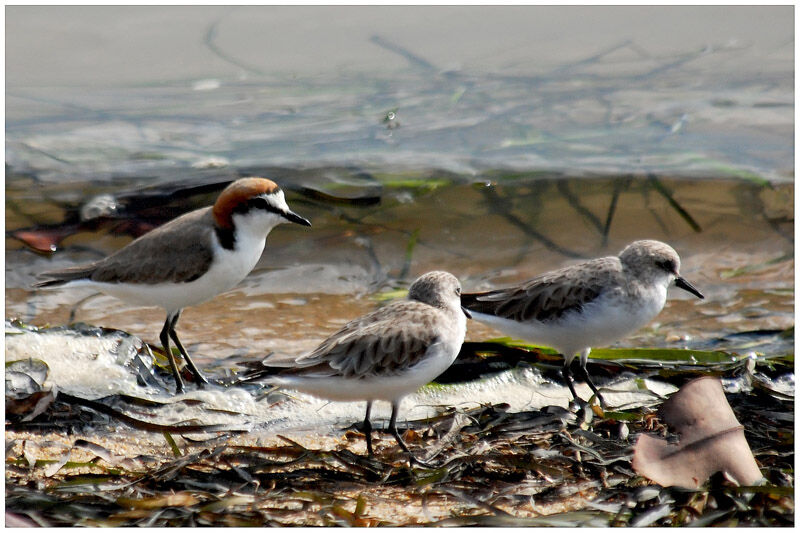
[(377, 344), (156, 257), (548, 296)]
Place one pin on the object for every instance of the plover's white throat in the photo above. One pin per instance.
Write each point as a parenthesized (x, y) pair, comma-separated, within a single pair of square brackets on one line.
[(385, 354), (190, 259), (594, 303)]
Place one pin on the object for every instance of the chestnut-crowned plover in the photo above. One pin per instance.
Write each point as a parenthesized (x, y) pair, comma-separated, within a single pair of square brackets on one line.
[(385, 354), (190, 259), (593, 303)]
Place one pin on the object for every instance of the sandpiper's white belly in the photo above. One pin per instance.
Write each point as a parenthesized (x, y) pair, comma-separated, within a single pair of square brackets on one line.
[(599, 323), (389, 388)]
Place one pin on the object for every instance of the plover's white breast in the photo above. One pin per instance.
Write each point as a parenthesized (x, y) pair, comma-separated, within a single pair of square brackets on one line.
[(225, 271)]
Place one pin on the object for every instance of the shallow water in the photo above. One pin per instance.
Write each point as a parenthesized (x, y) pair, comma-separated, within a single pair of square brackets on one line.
[(489, 232), (700, 91)]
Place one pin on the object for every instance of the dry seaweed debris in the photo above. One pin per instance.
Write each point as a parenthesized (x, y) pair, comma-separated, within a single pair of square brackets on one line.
[(502, 469), (495, 467)]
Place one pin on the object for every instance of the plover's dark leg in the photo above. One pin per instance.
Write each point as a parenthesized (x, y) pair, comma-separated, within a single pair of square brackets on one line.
[(192, 368), (366, 427), (164, 336), (393, 429)]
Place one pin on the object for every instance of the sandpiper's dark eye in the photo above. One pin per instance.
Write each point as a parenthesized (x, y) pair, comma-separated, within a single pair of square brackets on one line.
[(458, 291), (667, 264)]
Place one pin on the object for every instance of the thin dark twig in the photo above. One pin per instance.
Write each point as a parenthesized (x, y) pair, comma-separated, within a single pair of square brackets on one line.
[(210, 42), (563, 69), (409, 56), (663, 191), (134, 422), (619, 185), (496, 206), (574, 201)]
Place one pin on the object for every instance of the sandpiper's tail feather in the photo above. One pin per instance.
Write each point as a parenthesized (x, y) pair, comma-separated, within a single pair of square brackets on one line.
[(477, 302), (263, 372)]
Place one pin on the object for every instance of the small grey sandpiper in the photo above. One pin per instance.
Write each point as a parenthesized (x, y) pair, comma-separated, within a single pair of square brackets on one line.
[(385, 354), (593, 303)]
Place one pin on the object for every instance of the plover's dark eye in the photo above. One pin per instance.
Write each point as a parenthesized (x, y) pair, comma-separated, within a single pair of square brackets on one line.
[(254, 203), (258, 202)]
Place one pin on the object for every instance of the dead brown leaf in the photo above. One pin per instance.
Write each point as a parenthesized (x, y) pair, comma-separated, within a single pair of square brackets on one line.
[(711, 440)]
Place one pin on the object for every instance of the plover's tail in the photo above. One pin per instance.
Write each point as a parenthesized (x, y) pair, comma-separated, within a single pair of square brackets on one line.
[(60, 277)]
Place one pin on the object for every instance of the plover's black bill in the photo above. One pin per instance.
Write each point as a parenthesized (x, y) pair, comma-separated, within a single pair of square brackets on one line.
[(685, 285), (297, 219)]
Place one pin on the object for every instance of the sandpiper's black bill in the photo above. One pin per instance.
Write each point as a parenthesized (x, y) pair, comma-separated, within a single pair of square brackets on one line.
[(466, 312), (297, 219), (685, 285)]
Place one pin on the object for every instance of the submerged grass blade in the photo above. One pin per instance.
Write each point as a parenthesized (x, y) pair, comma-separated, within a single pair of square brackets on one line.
[(172, 444), (635, 354), (410, 246), (179, 499), (678, 355)]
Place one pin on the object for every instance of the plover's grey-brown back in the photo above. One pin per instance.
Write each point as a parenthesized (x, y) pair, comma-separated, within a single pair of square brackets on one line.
[(593, 303), (190, 259), (385, 354)]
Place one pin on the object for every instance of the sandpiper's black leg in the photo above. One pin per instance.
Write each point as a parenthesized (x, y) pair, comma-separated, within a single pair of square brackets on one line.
[(164, 336), (592, 386), (393, 429), (566, 373), (367, 429), (192, 368)]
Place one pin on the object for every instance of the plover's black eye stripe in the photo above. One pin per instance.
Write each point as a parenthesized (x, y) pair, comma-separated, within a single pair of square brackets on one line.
[(257, 202)]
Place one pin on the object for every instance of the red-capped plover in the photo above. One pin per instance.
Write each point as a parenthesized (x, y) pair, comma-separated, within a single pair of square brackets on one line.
[(594, 303), (190, 259), (385, 354)]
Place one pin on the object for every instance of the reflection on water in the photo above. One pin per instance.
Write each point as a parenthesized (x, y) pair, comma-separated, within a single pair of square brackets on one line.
[(735, 238)]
